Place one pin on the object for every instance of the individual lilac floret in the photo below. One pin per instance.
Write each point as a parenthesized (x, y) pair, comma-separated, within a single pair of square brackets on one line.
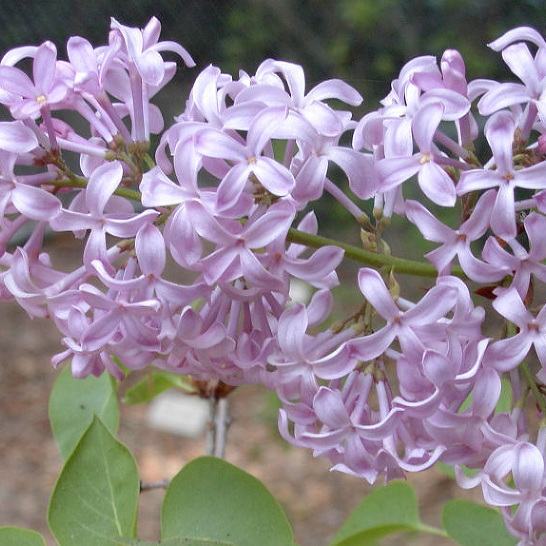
[(456, 242), (523, 464), (505, 354), (426, 164), (499, 131), (402, 325), (101, 212)]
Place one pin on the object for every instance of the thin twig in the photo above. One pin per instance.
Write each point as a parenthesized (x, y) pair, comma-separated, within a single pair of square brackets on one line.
[(210, 440), (222, 423), (217, 427), (163, 484)]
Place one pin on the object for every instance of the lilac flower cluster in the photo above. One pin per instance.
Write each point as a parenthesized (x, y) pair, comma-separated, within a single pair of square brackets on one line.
[(395, 387)]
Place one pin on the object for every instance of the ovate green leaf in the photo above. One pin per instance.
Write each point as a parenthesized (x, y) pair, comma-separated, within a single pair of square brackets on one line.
[(74, 402), (15, 536), (174, 542), (385, 511), (214, 500), (153, 384), (471, 524), (95, 499)]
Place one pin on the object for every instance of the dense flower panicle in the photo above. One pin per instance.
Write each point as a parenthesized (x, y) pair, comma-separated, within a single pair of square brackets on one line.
[(396, 386)]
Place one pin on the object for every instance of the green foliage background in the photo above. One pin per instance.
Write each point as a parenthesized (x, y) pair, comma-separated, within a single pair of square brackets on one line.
[(363, 41)]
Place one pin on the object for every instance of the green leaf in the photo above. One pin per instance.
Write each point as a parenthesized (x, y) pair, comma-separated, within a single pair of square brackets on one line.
[(178, 541), (472, 524), (450, 471), (174, 542), (95, 499), (74, 402), (385, 511), (153, 384), (212, 499), (15, 536), (505, 399)]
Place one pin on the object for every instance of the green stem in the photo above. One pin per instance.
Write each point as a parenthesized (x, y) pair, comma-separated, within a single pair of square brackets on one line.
[(529, 377), (79, 182), (399, 265), (433, 530)]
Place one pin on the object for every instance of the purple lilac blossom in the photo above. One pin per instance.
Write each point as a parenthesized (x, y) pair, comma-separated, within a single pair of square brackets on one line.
[(395, 386)]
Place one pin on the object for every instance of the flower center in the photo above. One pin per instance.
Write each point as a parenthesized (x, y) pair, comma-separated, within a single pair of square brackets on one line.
[(425, 158)]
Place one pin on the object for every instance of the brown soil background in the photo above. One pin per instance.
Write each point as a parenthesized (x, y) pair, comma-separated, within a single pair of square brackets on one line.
[(316, 501)]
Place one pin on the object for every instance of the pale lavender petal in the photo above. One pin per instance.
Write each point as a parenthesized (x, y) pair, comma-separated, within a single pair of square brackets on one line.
[(256, 275), (158, 190), (263, 128), (319, 265), (222, 265), (437, 184), (532, 177), (393, 172), (43, 67), (370, 347), (128, 227), (384, 428), (309, 183), (323, 119), (273, 224), (478, 222), (510, 306), (480, 271), (433, 305), (528, 468), (210, 142), (291, 330), (478, 179), (454, 104), (319, 307), (16, 137), (437, 368), (273, 176), (232, 185), (359, 168), (496, 495), (150, 250), (506, 354), (175, 47), (151, 67), (330, 409), (425, 124), (337, 89), (519, 34), (335, 365), (17, 82), (374, 290), (501, 96), (431, 228), (208, 227), (521, 63), (503, 221), (499, 131), (442, 256), (398, 139), (102, 184), (35, 203), (487, 390), (101, 331), (535, 226)]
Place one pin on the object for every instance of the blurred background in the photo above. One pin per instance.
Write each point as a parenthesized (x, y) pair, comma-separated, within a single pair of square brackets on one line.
[(365, 42)]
